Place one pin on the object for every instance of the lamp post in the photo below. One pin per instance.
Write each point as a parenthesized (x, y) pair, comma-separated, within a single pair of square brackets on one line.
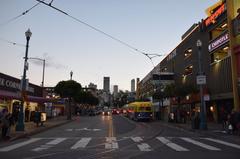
[(20, 123), (71, 73), (43, 74), (201, 80)]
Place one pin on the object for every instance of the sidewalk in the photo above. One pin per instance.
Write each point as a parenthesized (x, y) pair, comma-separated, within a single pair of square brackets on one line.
[(31, 128), (213, 129)]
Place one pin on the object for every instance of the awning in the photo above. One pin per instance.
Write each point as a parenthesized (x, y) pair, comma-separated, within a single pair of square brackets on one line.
[(17, 95)]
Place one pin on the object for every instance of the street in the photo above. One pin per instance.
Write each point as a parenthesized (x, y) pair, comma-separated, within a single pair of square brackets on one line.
[(118, 137)]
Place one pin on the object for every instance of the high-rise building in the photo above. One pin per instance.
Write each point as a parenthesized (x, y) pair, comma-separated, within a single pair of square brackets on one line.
[(133, 85), (115, 91), (106, 84)]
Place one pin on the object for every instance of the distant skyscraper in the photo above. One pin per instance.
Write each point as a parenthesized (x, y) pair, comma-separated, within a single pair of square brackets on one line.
[(106, 84), (133, 85), (115, 91)]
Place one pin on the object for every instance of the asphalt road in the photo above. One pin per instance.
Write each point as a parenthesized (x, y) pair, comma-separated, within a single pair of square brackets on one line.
[(118, 137)]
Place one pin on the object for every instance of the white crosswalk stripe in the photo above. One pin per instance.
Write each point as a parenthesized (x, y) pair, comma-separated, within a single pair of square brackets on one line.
[(200, 144), (81, 143), (49, 144), (15, 146), (111, 143), (171, 145), (223, 143), (141, 146)]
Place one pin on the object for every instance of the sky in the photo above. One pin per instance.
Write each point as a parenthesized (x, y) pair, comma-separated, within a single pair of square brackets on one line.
[(149, 26)]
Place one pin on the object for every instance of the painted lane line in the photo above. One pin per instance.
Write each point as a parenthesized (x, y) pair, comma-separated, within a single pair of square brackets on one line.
[(144, 147), (137, 139), (81, 143), (15, 146), (223, 143), (200, 144), (171, 145)]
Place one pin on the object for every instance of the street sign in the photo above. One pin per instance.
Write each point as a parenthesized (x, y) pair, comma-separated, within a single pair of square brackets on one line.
[(201, 79)]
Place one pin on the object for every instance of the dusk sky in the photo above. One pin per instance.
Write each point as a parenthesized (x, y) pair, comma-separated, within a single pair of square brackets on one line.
[(151, 26)]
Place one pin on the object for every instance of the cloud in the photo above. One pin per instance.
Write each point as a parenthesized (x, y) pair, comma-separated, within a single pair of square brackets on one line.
[(49, 62)]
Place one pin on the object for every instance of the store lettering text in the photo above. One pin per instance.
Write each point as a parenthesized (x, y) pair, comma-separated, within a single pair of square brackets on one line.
[(218, 42), (211, 19)]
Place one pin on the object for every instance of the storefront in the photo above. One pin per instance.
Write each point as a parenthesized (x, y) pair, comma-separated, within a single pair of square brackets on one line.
[(10, 97)]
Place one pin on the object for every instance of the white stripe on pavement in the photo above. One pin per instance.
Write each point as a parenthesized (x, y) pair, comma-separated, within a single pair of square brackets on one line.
[(49, 144), (15, 146), (200, 144), (223, 143), (56, 141), (171, 145), (144, 147), (111, 143), (81, 143), (137, 139)]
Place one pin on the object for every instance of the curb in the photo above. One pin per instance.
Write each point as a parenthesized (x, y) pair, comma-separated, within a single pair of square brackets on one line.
[(27, 134)]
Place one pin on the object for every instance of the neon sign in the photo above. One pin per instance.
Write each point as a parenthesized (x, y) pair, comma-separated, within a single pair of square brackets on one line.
[(212, 19)]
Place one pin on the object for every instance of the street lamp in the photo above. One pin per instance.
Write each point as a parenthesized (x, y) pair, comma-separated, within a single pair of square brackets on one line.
[(43, 60), (201, 80), (20, 123), (71, 73)]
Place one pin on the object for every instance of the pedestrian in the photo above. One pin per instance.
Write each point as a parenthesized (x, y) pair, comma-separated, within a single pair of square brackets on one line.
[(5, 125), (37, 117)]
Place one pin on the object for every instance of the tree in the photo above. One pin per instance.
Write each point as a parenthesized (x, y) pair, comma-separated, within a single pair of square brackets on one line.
[(68, 89)]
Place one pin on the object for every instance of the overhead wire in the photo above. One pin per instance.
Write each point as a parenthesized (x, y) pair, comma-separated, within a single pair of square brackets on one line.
[(13, 43), (22, 14), (150, 56)]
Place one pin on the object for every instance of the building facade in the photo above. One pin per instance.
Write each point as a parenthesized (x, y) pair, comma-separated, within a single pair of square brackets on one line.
[(106, 84), (133, 85), (216, 58)]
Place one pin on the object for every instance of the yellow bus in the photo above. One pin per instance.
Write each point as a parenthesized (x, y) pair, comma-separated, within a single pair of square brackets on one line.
[(140, 111)]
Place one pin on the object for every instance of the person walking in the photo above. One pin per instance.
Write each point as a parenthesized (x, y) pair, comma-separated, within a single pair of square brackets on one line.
[(5, 125)]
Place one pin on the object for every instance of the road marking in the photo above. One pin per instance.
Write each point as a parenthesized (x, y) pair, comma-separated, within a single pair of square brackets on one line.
[(200, 144), (15, 146), (81, 143), (49, 144), (144, 147), (111, 143), (137, 139), (56, 141), (171, 145), (223, 143)]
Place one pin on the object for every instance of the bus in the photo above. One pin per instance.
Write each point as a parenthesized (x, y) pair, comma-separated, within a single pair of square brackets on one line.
[(140, 111)]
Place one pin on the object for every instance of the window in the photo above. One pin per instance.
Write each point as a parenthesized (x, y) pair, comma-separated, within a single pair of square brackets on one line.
[(188, 53), (218, 31), (220, 54), (188, 70)]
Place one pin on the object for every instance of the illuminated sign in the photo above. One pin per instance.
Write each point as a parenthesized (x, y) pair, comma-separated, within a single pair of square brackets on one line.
[(212, 19), (218, 42)]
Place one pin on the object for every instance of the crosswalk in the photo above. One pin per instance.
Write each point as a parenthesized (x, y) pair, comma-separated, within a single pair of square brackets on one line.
[(178, 144)]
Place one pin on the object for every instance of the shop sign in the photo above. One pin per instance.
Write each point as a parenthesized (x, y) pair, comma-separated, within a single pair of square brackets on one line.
[(212, 19), (12, 84), (218, 42)]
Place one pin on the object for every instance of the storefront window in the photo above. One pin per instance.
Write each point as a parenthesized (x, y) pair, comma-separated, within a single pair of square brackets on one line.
[(220, 54), (218, 30)]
